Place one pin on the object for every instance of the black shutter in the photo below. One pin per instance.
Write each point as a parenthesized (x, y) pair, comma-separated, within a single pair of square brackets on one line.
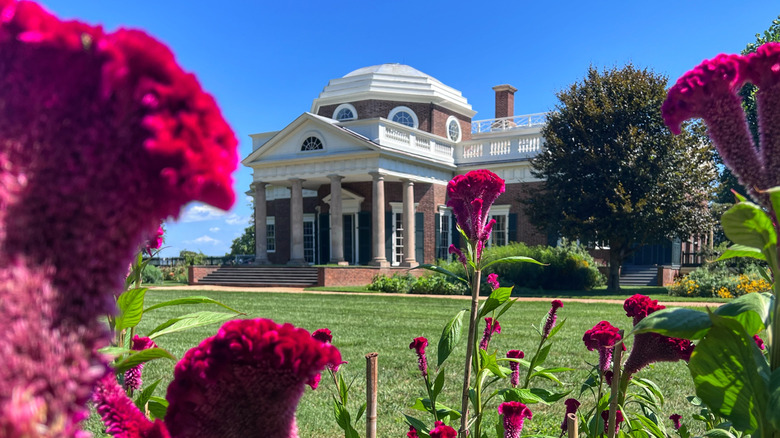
[(419, 237), (324, 230), (364, 237), (512, 228), (389, 237), (454, 232), (436, 236)]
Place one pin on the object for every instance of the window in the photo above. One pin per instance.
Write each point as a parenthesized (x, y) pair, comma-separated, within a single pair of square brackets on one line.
[(500, 233), (309, 247), (404, 116), (345, 112), (270, 234), (445, 240), (311, 144), (398, 239), (453, 128)]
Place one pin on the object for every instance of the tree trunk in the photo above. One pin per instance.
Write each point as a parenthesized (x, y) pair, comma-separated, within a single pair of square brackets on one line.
[(613, 281)]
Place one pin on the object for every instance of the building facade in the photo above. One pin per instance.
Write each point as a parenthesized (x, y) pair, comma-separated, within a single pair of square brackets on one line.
[(361, 178)]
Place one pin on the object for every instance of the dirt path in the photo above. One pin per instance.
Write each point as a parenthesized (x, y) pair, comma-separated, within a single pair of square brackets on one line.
[(297, 290)]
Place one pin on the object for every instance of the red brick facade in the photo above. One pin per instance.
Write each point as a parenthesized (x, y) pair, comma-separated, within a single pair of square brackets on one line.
[(505, 101), (526, 231), (196, 273), (358, 275)]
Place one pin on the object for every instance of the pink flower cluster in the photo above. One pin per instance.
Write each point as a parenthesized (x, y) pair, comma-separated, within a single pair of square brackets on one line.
[(514, 378), (618, 419), (418, 345), (133, 375), (552, 316), (571, 408), (491, 327), (602, 337), (514, 414), (709, 91), (155, 242), (441, 430), (260, 363), (470, 197)]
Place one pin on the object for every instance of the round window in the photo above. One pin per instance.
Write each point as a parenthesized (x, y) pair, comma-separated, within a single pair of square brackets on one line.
[(453, 129), (311, 144)]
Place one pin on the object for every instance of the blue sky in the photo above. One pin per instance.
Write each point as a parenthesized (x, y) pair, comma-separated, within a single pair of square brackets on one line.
[(266, 61)]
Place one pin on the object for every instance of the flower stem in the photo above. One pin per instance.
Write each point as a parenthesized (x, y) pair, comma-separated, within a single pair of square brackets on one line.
[(531, 367), (464, 419)]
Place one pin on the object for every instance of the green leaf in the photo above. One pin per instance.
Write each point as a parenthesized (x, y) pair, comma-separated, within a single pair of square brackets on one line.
[(489, 362), (140, 357), (521, 395), (719, 433), (440, 270), (774, 198), (450, 337), (361, 410), (650, 386), (773, 408), (556, 329), (548, 376), (675, 322), (157, 406), (507, 306), (342, 416), (549, 396), (416, 423), (424, 404), (650, 426), (131, 308), (742, 251), (186, 322), (114, 351), (438, 384), (496, 298), (145, 394), (514, 259), (343, 390), (191, 300), (542, 356), (727, 376), (739, 197), (747, 224), (751, 310)]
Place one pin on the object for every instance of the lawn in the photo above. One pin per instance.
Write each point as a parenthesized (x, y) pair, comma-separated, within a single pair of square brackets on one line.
[(386, 324)]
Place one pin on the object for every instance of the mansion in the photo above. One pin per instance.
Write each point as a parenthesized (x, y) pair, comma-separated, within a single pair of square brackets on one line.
[(361, 178)]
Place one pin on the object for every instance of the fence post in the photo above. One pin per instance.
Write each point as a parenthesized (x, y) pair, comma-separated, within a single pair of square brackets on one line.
[(371, 390), (571, 425)]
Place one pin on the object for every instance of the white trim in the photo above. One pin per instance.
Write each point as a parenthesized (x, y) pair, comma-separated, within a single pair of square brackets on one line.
[(447, 129), (405, 109), (500, 210), (350, 202), (310, 217), (345, 106)]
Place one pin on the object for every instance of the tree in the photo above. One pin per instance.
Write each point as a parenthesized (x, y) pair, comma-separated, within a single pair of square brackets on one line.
[(245, 244), (614, 173)]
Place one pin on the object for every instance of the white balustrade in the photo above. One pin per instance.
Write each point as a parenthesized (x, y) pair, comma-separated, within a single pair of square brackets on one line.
[(415, 141), (508, 123), (521, 147)]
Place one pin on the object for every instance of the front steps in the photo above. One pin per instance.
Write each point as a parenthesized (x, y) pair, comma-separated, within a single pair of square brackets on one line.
[(262, 276), (639, 275)]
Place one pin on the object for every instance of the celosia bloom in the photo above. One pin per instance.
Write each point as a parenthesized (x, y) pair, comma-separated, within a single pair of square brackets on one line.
[(676, 420), (652, 347), (418, 345), (461, 258), (133, 375), (443, 431), (759, 342), (514, 414), (514, 378), (245, 381), (101, 137), (470, 197), (709, 91), (618, 420), (602, 337), (412, 433), (549, 323), (491, 326), (492, 280), (323, 335), (155, 242), (571, 407)]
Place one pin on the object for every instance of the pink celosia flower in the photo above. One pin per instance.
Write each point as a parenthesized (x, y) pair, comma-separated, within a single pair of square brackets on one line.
[(155, 242), (652, 347), (244, 382), (759, 342), (492, 280), (412, 433), (602, 337), (491, 326), (455, 250), (323, 335), (443, 431), (549, 323), (571, 407), (470, 197), (133, 375), (676, 420), (618, 420), (514, 378), (514, 414), (608, 377), (418, 345)]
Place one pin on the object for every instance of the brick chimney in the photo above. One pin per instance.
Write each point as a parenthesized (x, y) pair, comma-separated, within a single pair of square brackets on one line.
[(505, 100)]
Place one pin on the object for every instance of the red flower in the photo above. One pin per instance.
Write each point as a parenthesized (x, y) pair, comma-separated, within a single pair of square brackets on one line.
[(412, 433), (549, 323), (618, 420), (514, 378), (639, 306), (676, 420), (418, 345), (571, 407), (322, 335), (602, 337), (471, 196), (514, 414), (759, 342), (155, 242), (443, 431), (492, 280), (491, 326), (133, 375)]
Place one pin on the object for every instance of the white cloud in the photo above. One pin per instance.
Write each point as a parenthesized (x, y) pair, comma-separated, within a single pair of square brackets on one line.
[(198, 213), (205, 240), (214, 229), (234, 219), (249, 199)]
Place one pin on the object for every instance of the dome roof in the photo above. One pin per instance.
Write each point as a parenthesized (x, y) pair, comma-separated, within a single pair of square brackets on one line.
[(394, 82)]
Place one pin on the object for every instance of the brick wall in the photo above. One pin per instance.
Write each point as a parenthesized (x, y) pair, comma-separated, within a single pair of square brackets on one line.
[(666, 275), (196, 273), (357, 275), (526, 231)]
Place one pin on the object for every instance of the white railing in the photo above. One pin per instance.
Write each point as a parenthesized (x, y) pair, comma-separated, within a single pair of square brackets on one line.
[(508, 123), (520, 147), (418, 142)]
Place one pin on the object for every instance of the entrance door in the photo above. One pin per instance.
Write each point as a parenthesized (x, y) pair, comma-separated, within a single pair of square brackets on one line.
[(349, 239), (309, 247)]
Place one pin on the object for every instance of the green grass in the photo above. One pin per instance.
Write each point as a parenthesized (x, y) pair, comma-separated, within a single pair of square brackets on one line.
[(386, 324), (361, 289)]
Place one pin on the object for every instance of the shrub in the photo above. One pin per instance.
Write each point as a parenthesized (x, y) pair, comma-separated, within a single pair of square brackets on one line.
[(437, 285), (151, 275), (174, 273), (719, 281), (570, 267), (397, 284)]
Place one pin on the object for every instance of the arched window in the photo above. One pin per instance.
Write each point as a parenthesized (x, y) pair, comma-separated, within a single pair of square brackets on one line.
[(404, 115), (453, 129), (345, 112), (311, 144)]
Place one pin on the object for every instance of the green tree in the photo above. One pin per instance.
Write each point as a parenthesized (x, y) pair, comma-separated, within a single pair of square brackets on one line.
[(245, 243), (613, 172), (192, 258)]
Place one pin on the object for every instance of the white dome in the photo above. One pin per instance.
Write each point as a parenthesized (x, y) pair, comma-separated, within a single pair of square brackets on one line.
[(394, 82)]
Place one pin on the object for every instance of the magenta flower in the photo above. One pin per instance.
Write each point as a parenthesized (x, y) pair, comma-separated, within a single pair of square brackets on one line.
[(676, 420), (652, 347), (245, 381), (759, 342), (443, 431), (514, 378), (618, 420), (133, 375), (412, 433), (323, 335), (602, 337), (470, 197), (492, 280), (491, 327), (549, 323), (571, 407), (514, 414), (461, 258), (418, 345), (709, 91), (101, 136), (155, 242)]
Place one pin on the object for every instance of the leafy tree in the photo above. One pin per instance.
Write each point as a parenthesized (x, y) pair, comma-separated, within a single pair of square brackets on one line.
[(614, 173), (245, 244), (192, 258)]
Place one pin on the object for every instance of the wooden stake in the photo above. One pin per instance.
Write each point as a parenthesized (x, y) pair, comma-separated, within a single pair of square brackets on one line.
[(572, 427), (617, 355), (371, 390)]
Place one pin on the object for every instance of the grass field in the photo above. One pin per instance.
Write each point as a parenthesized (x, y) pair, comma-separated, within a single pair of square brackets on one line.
[(386, 324)]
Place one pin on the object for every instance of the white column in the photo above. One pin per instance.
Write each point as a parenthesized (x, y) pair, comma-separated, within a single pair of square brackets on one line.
[(261, 239), (296, 222), (408, 218), (336, 221), (378, 219)]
